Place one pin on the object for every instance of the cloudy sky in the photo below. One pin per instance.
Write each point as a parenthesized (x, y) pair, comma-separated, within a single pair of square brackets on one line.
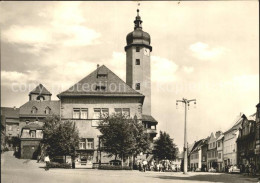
[(203, 50)]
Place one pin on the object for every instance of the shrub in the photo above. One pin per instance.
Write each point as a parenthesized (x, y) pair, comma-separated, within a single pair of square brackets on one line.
[(5, 149), (58, 165), (113, 167)]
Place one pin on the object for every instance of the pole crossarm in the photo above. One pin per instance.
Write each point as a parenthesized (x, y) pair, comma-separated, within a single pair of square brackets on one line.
[(185, 148)]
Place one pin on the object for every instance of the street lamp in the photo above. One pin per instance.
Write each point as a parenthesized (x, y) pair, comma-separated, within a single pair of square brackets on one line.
[(186, 103)]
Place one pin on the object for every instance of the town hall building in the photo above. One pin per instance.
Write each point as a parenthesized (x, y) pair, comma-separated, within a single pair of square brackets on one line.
[(100, 93)]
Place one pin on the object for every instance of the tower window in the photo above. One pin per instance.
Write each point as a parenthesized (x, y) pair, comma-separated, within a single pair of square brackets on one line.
[(137, 49), (137, 62), (137, 86)]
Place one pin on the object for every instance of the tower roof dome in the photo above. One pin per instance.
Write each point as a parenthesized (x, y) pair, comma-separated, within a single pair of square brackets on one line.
[(138, 36)]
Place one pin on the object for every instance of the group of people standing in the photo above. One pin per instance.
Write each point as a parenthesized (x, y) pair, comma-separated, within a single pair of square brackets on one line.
[(249, 169), (161, 166)]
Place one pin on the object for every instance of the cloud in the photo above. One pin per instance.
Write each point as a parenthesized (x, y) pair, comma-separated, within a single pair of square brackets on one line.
[(188, 69), (202, 51), (64, 27), (163, 69), (118, 64)]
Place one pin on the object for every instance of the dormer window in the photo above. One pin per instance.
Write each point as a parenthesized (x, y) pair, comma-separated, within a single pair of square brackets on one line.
[(102, 76), (34, 110), (47, 110), (100, 88)]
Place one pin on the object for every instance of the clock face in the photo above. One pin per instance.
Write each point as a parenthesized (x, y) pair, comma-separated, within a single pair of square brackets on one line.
[(146, 52)]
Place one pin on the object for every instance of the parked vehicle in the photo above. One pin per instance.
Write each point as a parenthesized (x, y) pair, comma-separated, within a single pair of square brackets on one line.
[(212, 170), (234, 169)]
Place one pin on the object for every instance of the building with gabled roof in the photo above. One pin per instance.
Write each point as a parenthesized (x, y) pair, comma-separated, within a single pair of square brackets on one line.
[(229, 143), (102, 92)]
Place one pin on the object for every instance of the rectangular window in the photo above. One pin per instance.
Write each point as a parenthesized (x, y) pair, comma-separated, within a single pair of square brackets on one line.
[(90, 144), (100, 113), (137, 86), (219, 155), (214, 144), (76, 113), (33, 134), (137, 62), (126, 112), (84, 114), (137, 49), (105, 112), (118, 111), (218, 144), (102, 76), (82, 144), (100, 88), (97, 113)]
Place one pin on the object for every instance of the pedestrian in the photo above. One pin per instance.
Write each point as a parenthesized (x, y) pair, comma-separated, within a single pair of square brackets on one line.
[(144, 164), (140, 165), (247, 169), (47, 161)]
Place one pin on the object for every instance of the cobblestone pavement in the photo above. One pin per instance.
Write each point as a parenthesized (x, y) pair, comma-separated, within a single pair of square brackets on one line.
[(27, 171)]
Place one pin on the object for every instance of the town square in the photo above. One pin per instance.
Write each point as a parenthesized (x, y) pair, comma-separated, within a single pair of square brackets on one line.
[(130, 91)]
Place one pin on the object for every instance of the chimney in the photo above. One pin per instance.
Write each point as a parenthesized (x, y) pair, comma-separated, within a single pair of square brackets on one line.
[(97, 66)]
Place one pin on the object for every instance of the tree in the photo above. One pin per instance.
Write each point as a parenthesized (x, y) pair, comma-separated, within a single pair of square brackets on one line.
[(164, 148), (123, 136), (60, 137)]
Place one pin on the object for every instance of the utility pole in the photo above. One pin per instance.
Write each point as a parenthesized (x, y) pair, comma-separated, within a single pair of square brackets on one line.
[(186, 103)]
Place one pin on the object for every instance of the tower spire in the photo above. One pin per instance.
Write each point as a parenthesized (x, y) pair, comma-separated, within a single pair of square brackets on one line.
[(138, 21)]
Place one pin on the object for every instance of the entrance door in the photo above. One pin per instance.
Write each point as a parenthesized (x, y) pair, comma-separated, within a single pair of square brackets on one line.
[(28, 152)]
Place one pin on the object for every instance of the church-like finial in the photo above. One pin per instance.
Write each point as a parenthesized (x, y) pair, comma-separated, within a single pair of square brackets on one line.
[(138, 21)]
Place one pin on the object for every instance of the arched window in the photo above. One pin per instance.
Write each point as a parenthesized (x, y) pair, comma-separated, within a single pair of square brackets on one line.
[(40, 97), (34, 110), (47, 110)]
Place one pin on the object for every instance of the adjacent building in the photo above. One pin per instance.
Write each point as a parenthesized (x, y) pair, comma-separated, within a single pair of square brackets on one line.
[(219, 142), (196, 156), (31, 136), (229, 143), (212, 153), (10, 117), (257, 138)]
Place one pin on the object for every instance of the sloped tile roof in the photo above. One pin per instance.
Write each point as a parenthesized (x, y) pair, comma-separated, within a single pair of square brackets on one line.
[(26, 108), (252, 117), (40, 89), (10, 112), (114, 85), (148, 118)]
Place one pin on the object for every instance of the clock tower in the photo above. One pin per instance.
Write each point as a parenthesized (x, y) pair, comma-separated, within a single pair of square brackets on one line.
[(138, 69)]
